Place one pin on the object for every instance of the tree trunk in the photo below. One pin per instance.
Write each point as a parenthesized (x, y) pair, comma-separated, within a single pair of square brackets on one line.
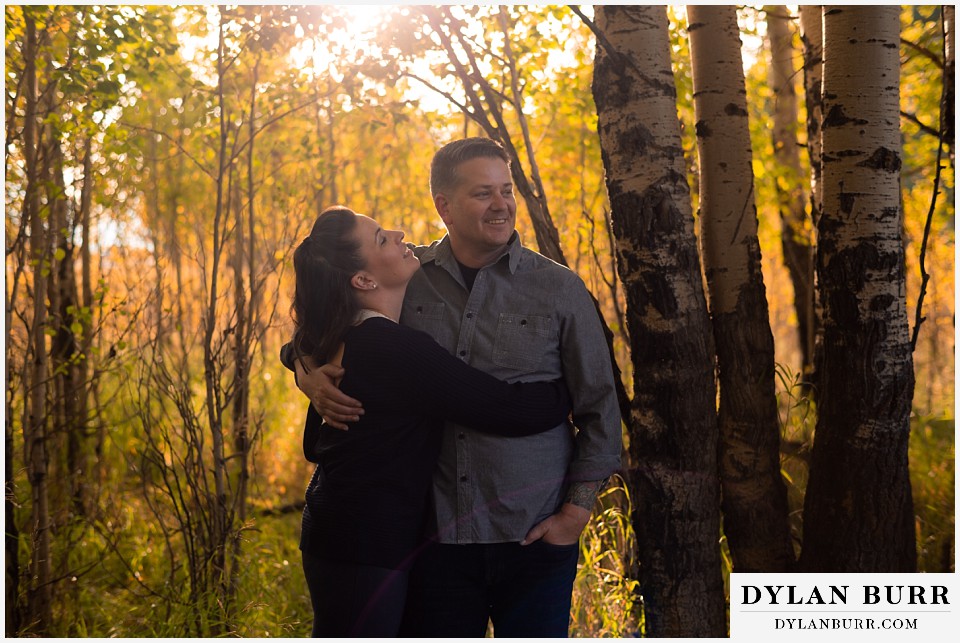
[(754, 496), (858, 514), (11, 534), (11, 531), (68, 417), (245, 314), (949, 77), (797, 232), (672, 426), (174, 252), (87, 382), (39, 593), (16, 369), (811, 35), (213, 402)]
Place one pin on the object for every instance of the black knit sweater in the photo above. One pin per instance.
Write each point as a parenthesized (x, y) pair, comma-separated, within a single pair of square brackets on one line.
[(367, 499)]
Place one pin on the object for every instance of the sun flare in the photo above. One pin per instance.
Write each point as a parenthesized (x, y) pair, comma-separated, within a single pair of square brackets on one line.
[(355, 36), (364, 17)]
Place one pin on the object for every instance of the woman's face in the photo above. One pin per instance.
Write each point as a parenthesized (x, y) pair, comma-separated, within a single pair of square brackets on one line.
[(389, 261)]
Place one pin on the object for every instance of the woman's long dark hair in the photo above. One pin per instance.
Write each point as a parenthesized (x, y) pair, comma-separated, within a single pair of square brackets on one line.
[(324, 303)]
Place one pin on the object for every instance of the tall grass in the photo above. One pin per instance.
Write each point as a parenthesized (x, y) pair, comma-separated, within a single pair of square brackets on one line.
[(273, 598), (798, 419), (125, 577), (933, 477), (606, 600)]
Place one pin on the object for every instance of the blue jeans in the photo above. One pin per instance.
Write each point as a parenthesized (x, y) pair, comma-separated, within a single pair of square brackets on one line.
[(354, 600), (524, 590)]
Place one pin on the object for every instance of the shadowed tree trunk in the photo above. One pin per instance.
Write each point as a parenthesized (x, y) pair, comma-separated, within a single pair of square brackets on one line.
[(245, 314), (17, 374), (858, 514), (39, 592), (754, 496), (67, 410), (796, 232), (672, 426), (811, 35), (219, 528), (11, 531), (87, 382), (949, 77)]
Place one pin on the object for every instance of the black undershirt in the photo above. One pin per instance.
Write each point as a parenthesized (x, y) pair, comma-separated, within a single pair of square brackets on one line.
[(469, 275)]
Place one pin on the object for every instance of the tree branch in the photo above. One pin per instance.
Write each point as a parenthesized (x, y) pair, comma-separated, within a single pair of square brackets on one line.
[(924, 277), (447, 95), (926, 129), (623, 61), (937, 60), (177, 143)]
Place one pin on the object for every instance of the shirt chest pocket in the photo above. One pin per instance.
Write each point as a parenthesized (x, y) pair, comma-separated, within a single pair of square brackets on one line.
[(425, 316), (522, 340)]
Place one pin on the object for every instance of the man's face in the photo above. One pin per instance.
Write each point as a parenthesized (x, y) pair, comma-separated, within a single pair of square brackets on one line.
[(481, 212)]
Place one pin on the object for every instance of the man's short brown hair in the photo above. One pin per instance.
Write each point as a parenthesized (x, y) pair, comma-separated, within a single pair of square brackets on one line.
[(443, 168)]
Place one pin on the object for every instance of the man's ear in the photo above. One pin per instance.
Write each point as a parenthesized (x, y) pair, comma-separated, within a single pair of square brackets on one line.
[(442, 204)]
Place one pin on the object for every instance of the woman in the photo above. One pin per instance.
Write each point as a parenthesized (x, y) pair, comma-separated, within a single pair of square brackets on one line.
[(367, 499)]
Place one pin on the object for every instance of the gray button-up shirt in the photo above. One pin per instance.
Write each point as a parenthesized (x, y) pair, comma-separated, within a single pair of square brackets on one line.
[(527, 318)]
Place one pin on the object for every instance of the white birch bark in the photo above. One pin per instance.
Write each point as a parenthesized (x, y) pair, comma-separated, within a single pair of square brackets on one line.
[(858, 514), (673, 431), (754, 496)]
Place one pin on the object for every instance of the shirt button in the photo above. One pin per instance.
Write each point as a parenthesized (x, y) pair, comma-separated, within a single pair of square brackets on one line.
[(462, 353), (469, 315), (463, 478), (462, 436)]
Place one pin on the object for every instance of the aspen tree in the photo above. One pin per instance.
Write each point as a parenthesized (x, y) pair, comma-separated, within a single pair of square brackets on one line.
[(754, 497), (796, 231), (36, 428), (949, 77), (858, 514), (673, 424), (811, 35)]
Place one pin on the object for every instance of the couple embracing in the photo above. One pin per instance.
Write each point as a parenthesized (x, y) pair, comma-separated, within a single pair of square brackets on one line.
[(463, 417)]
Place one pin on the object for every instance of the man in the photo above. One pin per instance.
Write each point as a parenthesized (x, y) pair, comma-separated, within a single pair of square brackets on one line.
[(507, 513)]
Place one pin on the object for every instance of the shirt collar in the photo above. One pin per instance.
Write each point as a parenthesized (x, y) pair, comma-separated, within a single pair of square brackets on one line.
[(442, 254)]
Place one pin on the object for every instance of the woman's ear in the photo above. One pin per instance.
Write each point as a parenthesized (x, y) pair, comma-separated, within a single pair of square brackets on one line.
[(362, 281)]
